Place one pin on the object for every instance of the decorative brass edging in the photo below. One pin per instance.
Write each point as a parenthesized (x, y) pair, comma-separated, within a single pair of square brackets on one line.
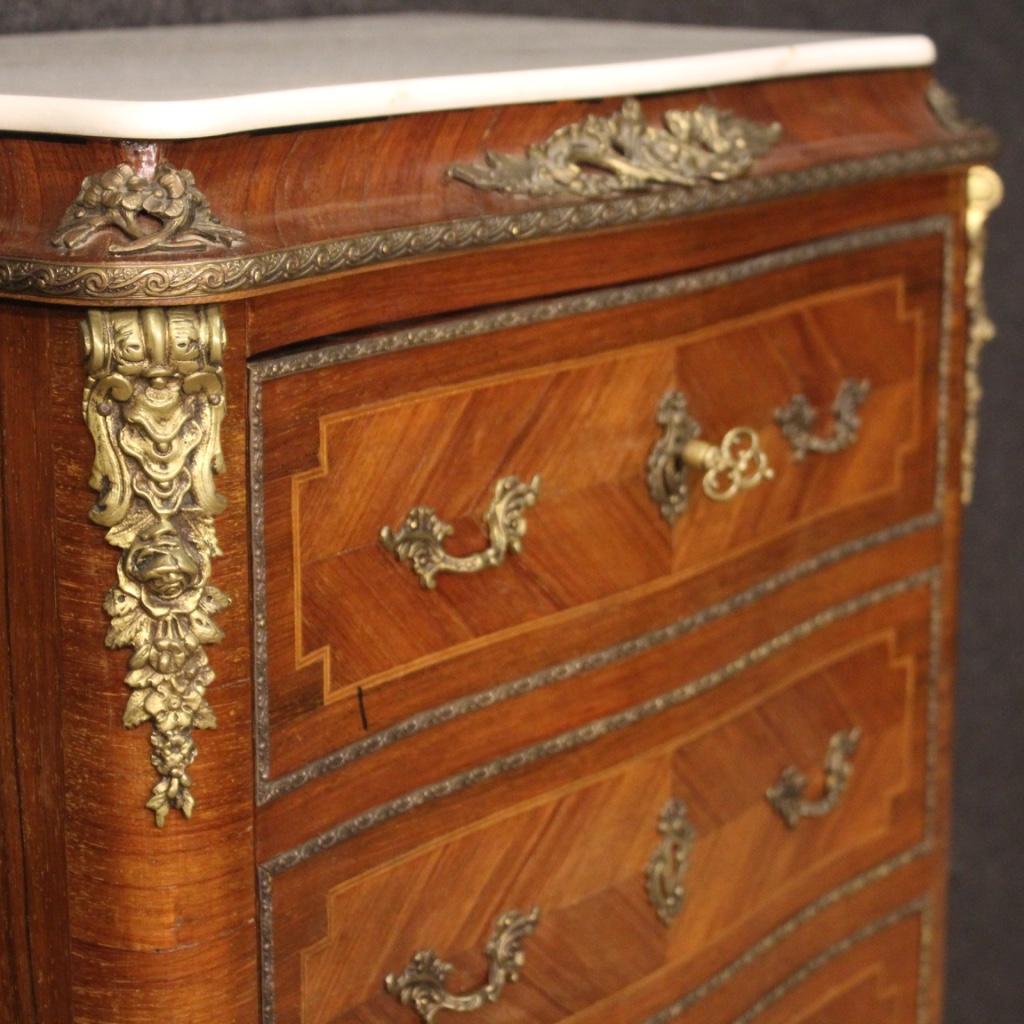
[(421, 985), (603, 156), (797, 418), (787, 795), (419, 541), (161, 212), (273, 368), (154, 401), (669, 863), (164, 282), (984, 194)]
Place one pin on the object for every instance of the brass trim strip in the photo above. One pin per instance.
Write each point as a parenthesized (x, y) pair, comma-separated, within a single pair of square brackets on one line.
[(194, 280), (917, 908), (945, 108), (268, 787), (584, 735)]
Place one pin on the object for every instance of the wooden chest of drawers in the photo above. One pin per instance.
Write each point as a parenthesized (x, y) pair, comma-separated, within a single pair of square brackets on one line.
[(530, 536)]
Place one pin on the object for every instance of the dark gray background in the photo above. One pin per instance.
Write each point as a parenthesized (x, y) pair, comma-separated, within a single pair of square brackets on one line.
[(981, 48)]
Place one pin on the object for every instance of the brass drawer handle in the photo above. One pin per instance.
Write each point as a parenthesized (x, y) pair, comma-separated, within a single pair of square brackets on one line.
[(737, 464), (670, 861), (421, 985), (787, 795), (420, 539), (798, 417)]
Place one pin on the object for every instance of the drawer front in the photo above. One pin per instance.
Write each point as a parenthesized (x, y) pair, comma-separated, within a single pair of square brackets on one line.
[(580, 400), (871, 974), (699, 831), (840, 974)]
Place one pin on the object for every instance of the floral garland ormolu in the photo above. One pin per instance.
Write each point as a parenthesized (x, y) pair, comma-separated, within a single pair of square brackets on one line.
[(133, 203), (154, 402)]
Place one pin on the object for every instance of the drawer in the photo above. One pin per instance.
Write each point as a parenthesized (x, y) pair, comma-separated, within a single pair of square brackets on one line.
[(682, 836), (841, 974), (585, 394)]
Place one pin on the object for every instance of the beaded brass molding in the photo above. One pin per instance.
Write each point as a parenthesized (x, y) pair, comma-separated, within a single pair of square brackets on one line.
[(669, 863), (269, 787), (160, 212), (787, 795), (420, 986), (984, 194), (154, 402), (797, 419), (419, 541), (602, 156), (166, 282)]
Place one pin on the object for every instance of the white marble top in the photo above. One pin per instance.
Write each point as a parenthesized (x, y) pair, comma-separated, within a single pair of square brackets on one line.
[(200, 80)]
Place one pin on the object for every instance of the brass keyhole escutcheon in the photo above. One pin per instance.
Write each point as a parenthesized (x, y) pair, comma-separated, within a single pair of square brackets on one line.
[(736, 464)]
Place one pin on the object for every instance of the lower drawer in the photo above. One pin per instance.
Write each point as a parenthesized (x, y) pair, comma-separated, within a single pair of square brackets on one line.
[(866, 967), (732, 819)]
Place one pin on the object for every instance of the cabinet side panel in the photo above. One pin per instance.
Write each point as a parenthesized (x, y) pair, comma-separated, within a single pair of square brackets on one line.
[(36, 682), (160, 919), (953, 526), (15, 972)]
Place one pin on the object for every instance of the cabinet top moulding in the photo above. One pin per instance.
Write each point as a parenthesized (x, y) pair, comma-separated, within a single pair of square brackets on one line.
[(263, 154)]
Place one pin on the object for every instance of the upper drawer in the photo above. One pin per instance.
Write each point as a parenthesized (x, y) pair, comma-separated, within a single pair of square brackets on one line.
[(570, 392)]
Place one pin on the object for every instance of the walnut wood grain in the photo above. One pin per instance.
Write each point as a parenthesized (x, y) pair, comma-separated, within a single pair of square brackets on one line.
[(460, 744)]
